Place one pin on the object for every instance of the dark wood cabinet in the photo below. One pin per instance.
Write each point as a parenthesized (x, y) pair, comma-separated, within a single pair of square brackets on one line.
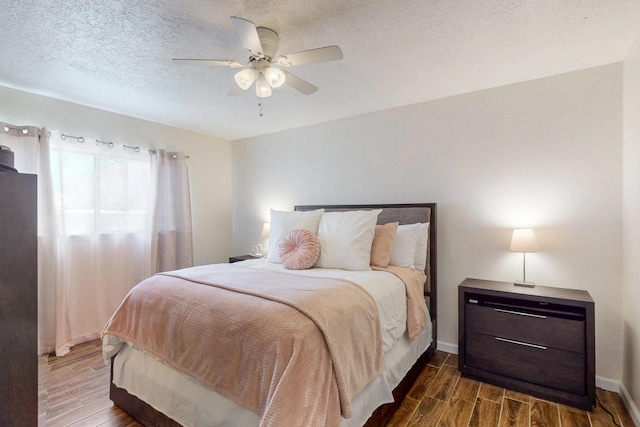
[(539, 341), (18, 300)]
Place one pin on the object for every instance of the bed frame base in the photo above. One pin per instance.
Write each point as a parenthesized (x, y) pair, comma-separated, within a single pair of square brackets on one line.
[(148, 416), (138, 409), (383, 414)]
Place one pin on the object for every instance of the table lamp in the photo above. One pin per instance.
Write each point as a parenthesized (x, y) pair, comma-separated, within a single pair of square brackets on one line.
[(524, 240), (266, 232)]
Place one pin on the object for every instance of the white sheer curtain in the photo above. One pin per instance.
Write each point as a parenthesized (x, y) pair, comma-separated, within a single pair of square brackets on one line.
[(101, 199), (171, 245), (108, 218)]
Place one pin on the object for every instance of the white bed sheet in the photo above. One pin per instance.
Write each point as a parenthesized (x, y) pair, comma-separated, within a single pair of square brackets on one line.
[(387, 290), (192, 404)]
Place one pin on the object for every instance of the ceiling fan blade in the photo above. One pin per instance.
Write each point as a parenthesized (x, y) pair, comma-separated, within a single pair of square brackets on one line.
[(221, 62), (235, 91), (322, 54), (249, 35), (298, 84)]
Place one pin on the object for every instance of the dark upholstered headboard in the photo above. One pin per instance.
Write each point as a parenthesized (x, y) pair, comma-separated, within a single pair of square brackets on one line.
[(404, 214)]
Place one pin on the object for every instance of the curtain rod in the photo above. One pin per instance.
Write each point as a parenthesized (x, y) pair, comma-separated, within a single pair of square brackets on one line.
[(173, 154), (81, 139), (22, 130), (111, 144), (7, 128)]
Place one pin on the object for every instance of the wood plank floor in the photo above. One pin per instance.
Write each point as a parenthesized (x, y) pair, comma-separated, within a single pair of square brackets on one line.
[(74, 391), (442, 397)]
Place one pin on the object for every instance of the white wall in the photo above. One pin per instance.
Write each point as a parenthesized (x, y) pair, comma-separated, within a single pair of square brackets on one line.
[(545, 154), (631, 226), (209, 162)]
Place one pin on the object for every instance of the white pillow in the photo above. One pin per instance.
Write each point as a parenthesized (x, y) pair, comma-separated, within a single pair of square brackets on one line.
[(284, 222), (420, 260), (346, 238), (404, 249)]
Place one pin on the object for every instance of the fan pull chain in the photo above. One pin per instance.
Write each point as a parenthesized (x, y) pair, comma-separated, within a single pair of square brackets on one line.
[(260, 105)]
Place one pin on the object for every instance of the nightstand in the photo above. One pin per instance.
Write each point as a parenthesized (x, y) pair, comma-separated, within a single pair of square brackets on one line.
[(240, 258), (539, 341)]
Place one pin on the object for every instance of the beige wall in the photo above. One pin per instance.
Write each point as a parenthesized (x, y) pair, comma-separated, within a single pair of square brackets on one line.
[(545, 154), (209, 163), (631, 228)]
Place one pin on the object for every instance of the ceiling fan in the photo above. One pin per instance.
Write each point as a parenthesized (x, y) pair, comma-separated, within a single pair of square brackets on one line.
[(263, 66)]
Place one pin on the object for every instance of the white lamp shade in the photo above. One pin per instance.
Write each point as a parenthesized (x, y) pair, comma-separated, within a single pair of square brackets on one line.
[(245, 78), (274, 76), (266, 229), (524, 240), (263, 90)]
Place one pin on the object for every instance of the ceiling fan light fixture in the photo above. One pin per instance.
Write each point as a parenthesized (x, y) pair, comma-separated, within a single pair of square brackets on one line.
[(262, 44), (245, 78), (274, 76), (263, 89)]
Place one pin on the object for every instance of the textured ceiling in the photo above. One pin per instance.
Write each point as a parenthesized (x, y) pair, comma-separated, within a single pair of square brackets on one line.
[(116, 54)]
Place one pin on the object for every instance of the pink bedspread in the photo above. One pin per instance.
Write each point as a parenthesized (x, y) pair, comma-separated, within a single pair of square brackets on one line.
[(414, 281), (293, 350)]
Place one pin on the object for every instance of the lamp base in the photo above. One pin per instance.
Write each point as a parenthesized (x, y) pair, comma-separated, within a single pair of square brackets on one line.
[(525, 284)]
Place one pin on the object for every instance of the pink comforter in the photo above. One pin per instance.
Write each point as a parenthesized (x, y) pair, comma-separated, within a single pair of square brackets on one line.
[(294, 350), (414, 281)]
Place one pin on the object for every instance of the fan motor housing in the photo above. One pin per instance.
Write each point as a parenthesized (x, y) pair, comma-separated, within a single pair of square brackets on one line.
[(269, 40)]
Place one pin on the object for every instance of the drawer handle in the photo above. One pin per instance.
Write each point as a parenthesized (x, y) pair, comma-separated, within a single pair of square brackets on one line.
[(541, 347), (519, 313)]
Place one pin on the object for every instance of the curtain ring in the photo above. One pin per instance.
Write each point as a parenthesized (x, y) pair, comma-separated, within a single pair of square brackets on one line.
[(80, 139), (107, 143), (23, 130)]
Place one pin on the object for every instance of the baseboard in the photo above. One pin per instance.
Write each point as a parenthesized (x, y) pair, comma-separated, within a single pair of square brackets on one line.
[(448, 347), (630, 404), (608, 384)]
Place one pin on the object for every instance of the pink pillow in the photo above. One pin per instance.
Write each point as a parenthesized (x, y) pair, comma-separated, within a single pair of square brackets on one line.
[(382, 246), (299, 249)]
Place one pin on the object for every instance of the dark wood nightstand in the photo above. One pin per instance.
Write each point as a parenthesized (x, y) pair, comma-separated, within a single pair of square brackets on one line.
[(539, 341), (240, 258)]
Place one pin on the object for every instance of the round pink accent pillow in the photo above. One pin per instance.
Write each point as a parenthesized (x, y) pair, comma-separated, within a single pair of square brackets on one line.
[(299, 249)]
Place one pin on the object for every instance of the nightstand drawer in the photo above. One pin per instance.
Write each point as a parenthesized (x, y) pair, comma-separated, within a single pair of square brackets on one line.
[(521, 325), (562, 370)]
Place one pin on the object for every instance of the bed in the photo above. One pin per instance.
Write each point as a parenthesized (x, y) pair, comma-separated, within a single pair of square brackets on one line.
[(154, 392)]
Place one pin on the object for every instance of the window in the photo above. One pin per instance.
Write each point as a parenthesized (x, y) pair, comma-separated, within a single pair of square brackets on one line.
[(99, 191)]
